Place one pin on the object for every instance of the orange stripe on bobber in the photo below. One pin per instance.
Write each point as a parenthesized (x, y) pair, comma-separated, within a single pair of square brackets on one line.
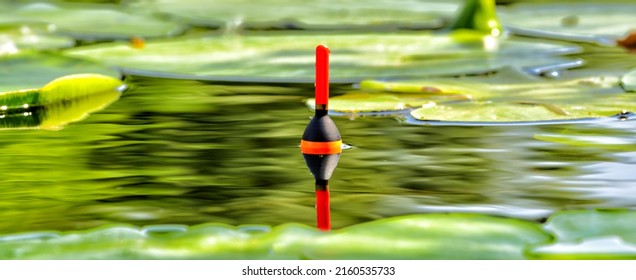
[(320, 148)]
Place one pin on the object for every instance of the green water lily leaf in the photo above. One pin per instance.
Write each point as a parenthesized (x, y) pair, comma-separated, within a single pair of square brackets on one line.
[(63, 100), (311, 14), (587, 22), (433, 236), (436, 236), (377, 102), (89, 21), (282, 57), (577, 225), (33, 70), (526, 99), (376, 96), (505, 97), (629, 81), (590, 234), (521, 111), (34, 36)]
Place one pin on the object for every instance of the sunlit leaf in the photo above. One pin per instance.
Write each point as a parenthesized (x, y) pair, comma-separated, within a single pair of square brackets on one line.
[(290, 58), (530, 100), (89, 21), (587, 22), (64, 100), (31, 70), (577, 225), (312, 14)]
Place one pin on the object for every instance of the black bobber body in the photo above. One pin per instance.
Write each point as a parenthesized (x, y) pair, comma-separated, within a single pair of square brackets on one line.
[(321, 146)]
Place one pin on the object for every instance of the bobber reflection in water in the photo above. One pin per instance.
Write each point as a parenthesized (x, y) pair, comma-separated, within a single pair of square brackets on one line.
[(321, 144)]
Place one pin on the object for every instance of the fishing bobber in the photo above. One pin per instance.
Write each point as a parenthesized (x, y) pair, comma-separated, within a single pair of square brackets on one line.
[(321, 144)]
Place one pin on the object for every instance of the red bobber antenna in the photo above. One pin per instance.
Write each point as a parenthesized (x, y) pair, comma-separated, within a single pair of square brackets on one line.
[(321, 144)]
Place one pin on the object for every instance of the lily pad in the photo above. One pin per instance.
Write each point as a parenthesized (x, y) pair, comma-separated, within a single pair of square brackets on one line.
[(32, 70), (286, 57), (577, 225), (16, 37), (583, 22), (612, 248), (89, 21), (511, 112), (310, 14), (376, 97), (504, 97), (629, 81), (434, 236), (590, 234), (64, 100), (530, 100)]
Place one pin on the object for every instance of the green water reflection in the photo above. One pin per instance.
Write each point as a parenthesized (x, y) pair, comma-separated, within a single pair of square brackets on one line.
[(185, 152)]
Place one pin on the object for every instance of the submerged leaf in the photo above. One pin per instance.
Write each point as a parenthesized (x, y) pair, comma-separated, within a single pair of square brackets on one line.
[(289, 58)]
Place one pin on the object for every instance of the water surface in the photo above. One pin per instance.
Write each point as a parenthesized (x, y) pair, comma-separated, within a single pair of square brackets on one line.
[(188, 152)]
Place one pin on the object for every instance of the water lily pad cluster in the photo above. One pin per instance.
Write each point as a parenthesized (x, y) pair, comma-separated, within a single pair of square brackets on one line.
[(579, 234)]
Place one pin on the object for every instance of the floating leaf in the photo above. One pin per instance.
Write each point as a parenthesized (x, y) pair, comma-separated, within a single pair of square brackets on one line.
[(31, 70), (504, 97), (89, 21), (282, 57), (577, 225), (592, 139), (311, 14), (411, 237), (378, 96), (586, 22), (612, 248), (64, 100), (591, 234), (629, 81), (434, 236), (523, 111), (531, 100), (30, 36)]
